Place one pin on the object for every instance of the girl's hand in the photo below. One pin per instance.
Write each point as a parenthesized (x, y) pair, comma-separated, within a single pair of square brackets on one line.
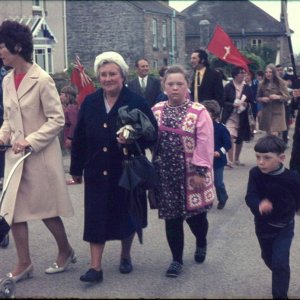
[(19, 146), (198, 182)]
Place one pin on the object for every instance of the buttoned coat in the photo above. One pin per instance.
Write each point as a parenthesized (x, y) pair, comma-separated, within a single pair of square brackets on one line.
[(97, 156), (34, 112), (273, 113), (153, 89)]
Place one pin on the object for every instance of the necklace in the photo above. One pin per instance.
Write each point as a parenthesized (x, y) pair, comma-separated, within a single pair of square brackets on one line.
[(179, 105)]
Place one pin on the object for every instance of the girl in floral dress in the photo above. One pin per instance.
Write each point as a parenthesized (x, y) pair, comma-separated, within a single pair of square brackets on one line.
[(183, 158)]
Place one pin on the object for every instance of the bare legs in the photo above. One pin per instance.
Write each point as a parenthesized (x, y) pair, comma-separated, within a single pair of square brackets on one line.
[(235, 151), (56, 227), (20, 234), (21, 237)]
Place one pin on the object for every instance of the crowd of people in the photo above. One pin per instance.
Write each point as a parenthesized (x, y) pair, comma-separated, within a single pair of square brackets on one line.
[(200, 122)]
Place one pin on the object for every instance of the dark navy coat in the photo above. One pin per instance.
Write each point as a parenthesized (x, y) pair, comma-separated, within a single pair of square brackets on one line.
[(97, 156), (222, 144)]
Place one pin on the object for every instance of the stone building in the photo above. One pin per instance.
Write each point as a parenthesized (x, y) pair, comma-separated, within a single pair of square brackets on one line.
[(135, 29), (247, 25)]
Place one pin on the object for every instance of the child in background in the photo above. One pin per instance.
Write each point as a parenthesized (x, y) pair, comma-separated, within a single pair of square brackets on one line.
[(222, 145), (273, 195), (71, 108)]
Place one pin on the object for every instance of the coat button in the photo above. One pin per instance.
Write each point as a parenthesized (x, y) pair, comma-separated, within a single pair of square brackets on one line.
[(104, 125), (104, 149), (105, 173)]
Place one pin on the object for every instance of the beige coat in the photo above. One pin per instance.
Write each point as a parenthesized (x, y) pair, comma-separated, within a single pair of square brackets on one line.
[(34, 112), (273, 113)]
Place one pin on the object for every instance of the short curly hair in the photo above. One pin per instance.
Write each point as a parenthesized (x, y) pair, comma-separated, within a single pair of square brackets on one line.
[(17, 39)]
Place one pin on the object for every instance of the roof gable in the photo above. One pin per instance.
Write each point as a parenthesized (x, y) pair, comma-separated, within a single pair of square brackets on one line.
[(154, 7), (234, 17)]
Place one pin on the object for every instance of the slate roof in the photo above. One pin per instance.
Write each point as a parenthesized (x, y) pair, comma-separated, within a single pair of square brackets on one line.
[(233, 17), (154, 7)]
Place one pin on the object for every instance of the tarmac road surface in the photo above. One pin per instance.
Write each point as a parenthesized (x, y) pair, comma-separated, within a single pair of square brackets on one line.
[(233, 268)]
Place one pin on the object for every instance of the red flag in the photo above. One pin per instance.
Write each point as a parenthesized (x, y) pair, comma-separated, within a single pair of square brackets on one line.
[(82, 81), (223, 47)]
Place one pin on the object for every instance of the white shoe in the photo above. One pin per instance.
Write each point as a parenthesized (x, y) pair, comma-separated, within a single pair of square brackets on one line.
[(26, 274), (56, 269)]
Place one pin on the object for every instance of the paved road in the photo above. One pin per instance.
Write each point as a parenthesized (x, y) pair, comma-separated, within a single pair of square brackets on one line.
[(233, 268)]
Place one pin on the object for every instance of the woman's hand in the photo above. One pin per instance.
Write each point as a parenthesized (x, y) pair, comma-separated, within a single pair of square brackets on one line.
[(19, 146), (122, 140), (198, 182), (275, 97), (265, 99), (77, 179)]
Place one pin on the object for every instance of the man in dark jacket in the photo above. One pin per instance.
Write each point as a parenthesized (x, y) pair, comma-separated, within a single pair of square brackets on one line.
[(145, 85), (206, 83)]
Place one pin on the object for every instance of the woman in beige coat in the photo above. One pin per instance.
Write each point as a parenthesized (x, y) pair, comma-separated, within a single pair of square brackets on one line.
[(33, 116), (272, 93)]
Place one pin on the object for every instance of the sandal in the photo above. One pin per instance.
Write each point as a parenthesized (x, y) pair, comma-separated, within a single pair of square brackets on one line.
[(238, 163), (229, 164)]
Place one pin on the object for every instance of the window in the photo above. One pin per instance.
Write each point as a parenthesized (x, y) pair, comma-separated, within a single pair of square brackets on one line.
[(256, 43), (154, 33), (37, 6), (154, 64), (164, 35), (43, 57)]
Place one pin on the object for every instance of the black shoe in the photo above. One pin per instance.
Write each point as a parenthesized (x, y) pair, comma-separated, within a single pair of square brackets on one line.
[(92, 276), (221, 205), (200, 254), (5, 242), (125, 266), (174, 269)]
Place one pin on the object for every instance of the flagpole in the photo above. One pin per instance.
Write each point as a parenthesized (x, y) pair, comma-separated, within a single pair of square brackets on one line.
[(288, 33)]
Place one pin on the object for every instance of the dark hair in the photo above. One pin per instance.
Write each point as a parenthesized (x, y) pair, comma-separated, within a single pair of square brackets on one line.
[(213, 107), (221, 72), (138, 60), (17, 39), (69, 90), (270, 143), (260, 73), (203, 57), (278, 66), (236, 70), (162, 71)]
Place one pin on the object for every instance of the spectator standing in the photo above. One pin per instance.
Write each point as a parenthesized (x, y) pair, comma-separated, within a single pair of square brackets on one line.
[(237, 98), (222, 145), (272, 93), (183, 158), (145, 85), (206, 83), (273, 195)]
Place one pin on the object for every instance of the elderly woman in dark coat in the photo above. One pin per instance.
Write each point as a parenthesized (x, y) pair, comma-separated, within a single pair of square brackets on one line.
[(237, 97), (96, 153)]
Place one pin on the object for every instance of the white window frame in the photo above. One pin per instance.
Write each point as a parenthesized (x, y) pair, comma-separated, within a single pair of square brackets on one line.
[(164, 34), (256, 42), (154, 33), (37, 6), (48, 67)]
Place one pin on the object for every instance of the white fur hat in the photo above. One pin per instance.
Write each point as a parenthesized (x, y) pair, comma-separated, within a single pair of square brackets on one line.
[(112, 57)]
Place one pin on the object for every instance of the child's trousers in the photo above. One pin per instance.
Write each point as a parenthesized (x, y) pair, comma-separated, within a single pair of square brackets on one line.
[(275, 244)]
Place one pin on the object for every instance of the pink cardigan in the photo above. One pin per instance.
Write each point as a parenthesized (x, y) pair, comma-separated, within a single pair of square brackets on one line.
[(197, 136)]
